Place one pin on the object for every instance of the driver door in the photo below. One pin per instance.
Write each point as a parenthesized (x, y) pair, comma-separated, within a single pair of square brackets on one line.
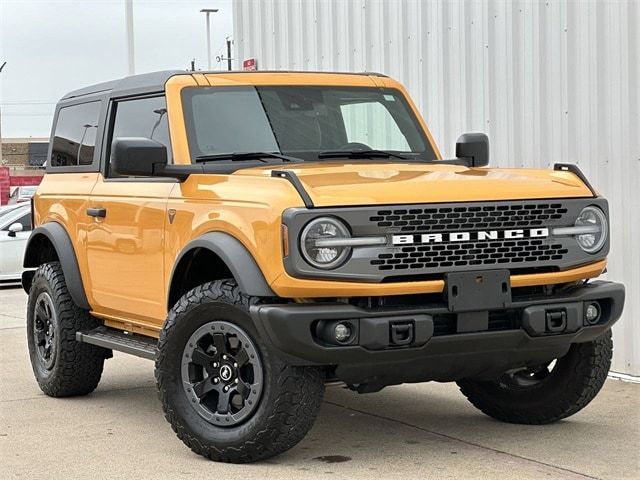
[(125, 240)]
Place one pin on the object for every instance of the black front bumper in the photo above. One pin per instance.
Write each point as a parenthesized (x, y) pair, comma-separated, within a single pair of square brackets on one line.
[(443, 346)]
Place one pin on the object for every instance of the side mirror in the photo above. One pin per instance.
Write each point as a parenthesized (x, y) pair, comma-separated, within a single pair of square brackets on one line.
[(15, 228), (474, 147), (137, 156)]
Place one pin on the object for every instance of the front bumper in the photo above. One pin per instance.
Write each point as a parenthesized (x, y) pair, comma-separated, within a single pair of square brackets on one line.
[(444, 346)]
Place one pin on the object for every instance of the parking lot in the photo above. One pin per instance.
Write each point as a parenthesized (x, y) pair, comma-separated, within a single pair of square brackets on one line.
[(411, 431)]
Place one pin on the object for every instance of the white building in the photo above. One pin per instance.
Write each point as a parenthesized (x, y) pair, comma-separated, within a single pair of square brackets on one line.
[(548, 81)]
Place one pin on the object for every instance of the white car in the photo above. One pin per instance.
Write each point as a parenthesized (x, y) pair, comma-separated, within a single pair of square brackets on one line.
[(22, 194), (5, 209), (15, 228)]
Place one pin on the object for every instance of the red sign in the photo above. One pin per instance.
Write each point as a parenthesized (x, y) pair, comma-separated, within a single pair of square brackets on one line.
[(250, 64)]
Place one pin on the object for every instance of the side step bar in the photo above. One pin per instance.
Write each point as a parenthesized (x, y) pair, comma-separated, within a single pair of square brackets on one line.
[(126, 342)]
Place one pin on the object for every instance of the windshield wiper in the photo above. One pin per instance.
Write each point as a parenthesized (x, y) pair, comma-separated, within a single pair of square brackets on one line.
[(242, 156), (360, 154)]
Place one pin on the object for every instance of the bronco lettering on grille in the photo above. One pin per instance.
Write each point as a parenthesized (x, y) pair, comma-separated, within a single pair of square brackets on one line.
[(477, 235)]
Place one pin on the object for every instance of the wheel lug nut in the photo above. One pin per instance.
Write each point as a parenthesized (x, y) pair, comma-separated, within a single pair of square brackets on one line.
[(224, 357), (216, 380), (215, 364), (235, 381), (235, 365)]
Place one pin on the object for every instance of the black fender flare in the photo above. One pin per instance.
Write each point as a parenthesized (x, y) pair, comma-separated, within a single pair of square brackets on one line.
[(236, 257), (63, 246)]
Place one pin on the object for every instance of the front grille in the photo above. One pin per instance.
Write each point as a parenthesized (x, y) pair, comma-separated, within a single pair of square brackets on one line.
[(496, 252), (429, 219), (451, 218)]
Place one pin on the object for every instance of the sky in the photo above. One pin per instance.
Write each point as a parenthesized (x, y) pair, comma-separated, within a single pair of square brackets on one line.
[(55, 46)]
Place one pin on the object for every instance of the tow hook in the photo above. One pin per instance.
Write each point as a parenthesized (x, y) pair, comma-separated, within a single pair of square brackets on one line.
[(556, 321), (401, 333)]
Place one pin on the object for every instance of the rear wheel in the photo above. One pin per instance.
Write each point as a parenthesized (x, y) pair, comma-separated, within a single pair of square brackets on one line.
[(226, 396), (62, 366), (545, 393)]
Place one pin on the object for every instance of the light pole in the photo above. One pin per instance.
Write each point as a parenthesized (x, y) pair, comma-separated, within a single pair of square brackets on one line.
[(1, 67), (208, 11), (128, 16), (84, 133)]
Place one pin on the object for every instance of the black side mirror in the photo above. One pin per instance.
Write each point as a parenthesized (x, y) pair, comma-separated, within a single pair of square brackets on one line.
[(137, 156), (474, 147)]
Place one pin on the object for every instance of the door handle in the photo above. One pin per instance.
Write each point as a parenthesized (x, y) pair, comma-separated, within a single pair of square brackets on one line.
[(97, 212)]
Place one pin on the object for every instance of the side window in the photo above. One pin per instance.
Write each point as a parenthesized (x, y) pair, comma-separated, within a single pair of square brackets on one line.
[(74, 137), (371, 123), (25, 220), (144, 117)]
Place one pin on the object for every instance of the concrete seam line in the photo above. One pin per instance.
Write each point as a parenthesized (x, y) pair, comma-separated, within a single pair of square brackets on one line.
[(625, 377), (45, 397), (466, 442)]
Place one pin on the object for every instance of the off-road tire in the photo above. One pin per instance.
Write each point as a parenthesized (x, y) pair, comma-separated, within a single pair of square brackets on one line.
[(77, 367), (572, 384), (290, 398)]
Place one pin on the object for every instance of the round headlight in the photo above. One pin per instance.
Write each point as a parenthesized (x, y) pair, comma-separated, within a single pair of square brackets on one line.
[(594, 223), (322, 254)]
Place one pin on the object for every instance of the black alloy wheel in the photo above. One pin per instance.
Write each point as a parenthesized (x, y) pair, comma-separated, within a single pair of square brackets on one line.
[(45, 321), (222, 373)]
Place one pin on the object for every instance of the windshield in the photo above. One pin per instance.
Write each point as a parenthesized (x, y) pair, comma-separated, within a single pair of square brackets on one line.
[(301, 121), (27, 191), (12, 215)]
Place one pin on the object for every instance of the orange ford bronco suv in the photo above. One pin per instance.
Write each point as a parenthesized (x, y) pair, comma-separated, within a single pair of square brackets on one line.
[(261, 234)]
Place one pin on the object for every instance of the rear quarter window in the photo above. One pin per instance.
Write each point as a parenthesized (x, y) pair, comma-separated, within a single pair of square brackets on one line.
[(74, 135)]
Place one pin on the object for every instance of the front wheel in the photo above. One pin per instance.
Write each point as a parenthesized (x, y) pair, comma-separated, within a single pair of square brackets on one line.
[(226, 396), (545, 393)]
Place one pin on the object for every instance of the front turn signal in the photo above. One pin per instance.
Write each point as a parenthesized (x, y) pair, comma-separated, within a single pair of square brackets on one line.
[(285, 240)]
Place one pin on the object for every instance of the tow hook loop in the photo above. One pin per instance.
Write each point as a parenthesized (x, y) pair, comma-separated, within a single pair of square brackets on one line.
[(556, 321), (401, 333)]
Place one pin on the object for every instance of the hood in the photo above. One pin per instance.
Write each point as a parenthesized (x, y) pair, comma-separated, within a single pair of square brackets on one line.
[(360, 183)]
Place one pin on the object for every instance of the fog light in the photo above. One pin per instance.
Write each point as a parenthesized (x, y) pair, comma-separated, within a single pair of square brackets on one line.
[(592, 314), (342, 332)]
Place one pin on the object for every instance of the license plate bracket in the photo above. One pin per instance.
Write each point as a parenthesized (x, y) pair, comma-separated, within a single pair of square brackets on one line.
[(478, 290)]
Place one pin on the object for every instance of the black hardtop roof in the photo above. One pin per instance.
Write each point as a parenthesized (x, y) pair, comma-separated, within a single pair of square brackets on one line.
[(155, 81), (146, 81)]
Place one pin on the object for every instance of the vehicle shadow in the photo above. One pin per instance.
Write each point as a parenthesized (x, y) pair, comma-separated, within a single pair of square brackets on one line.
[(410, 425)]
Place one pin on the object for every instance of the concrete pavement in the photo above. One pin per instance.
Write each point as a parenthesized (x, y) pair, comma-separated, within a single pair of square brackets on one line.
[(411, 431)]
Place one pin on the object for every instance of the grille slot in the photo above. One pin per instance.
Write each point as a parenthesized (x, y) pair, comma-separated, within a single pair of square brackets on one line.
[(499, 320)]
